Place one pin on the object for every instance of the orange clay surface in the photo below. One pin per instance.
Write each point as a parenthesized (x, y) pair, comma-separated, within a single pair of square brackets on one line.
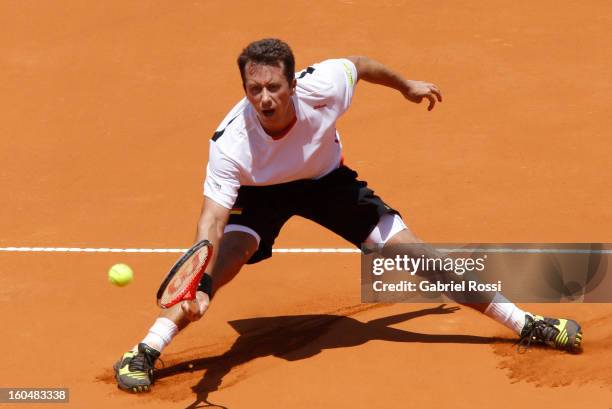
[(106, 111)]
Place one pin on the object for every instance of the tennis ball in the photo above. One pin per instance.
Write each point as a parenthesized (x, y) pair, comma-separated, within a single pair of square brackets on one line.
[(120, 274)]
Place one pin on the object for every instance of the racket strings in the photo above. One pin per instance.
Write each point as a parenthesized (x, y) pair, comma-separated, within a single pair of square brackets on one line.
[(185, 275)]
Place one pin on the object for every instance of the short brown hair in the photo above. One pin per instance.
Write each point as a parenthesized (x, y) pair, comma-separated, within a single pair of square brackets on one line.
[(269, 51)]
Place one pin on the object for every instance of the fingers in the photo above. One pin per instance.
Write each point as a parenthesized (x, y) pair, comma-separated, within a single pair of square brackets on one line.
[(195, 309), (432, 102), (190, 309), (434, 93), (421, 90)]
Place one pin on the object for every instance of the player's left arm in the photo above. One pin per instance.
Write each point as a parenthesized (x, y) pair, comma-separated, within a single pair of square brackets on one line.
[(372, 71)]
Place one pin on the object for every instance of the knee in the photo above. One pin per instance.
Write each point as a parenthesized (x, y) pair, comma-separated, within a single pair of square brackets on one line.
[(405, 243), (404, 236)]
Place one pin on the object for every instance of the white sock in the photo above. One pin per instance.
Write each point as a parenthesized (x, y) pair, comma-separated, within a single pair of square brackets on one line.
[(160, 334), (506, 313)]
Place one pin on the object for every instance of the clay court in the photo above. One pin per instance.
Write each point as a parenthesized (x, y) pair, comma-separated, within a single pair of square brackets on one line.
[(106, 112)]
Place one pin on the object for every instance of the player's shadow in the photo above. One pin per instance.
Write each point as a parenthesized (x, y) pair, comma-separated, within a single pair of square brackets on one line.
[(303, 336)]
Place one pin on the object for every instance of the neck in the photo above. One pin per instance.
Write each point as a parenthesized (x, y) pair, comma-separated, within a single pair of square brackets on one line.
[(282, 132)]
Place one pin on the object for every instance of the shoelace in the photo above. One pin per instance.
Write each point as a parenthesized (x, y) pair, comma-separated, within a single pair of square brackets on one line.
[(143, 362), (537, 328)]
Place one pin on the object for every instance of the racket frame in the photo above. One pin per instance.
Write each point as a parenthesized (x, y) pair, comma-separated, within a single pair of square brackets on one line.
[(189, 292)]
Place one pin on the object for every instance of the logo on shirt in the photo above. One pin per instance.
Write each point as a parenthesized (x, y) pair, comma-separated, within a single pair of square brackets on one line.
[(217, 185), (320, 106), (349, 74)]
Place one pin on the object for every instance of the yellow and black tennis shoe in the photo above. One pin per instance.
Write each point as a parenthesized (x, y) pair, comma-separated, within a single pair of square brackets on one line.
[(558, 333), (134, 371)]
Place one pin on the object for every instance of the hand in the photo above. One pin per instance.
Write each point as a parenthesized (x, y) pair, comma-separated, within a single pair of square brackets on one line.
[(195, 309), (415, 91)]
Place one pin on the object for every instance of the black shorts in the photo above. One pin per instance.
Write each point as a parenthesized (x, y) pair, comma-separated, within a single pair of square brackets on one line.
[(337, 201)]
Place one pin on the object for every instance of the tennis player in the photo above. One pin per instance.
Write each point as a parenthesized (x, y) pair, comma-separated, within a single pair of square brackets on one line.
[(277, 154)]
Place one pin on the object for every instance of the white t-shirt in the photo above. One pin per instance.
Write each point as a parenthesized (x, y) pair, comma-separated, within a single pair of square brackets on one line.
[(242, 153)]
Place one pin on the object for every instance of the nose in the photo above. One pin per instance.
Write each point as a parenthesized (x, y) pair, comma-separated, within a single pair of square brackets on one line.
[(266, 98)]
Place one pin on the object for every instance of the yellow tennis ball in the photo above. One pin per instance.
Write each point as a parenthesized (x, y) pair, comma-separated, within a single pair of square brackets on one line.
[(120, 274)]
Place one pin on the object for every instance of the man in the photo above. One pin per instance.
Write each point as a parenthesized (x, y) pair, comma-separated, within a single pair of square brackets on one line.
[(278, 154)]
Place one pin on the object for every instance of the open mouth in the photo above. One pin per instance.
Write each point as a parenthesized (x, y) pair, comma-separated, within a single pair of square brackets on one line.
[(267, 112)]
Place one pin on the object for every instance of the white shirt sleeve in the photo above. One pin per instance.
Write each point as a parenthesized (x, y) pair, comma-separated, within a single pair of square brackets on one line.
[(222, 178), (343, 74)]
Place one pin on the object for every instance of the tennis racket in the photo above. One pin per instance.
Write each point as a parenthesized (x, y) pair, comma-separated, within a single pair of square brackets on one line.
[(183, 279)]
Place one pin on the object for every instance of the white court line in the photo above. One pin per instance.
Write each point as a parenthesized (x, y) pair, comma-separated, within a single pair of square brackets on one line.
[(136, 250), (288, 250)]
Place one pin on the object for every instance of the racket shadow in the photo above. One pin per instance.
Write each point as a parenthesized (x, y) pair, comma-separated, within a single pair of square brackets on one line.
[(303, 336)]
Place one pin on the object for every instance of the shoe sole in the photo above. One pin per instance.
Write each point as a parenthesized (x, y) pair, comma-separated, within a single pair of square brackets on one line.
[(124, 387), (572, 327)]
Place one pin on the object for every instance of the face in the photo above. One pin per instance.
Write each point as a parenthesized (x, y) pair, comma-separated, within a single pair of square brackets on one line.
[(267, 89)]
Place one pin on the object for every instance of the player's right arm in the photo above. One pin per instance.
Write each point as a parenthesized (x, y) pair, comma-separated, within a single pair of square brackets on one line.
[(213, 218), (220, 191)]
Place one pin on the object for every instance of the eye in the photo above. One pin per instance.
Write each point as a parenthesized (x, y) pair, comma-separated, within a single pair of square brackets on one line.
[(273, 87), (254, 89)]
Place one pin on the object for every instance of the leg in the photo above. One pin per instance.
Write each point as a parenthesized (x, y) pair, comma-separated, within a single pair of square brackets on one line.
[(559, 333), (346, 206), (406, 236), (134, 371)]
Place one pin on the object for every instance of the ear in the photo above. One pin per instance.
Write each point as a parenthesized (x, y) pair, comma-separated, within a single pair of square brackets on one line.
[(293, 85)]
